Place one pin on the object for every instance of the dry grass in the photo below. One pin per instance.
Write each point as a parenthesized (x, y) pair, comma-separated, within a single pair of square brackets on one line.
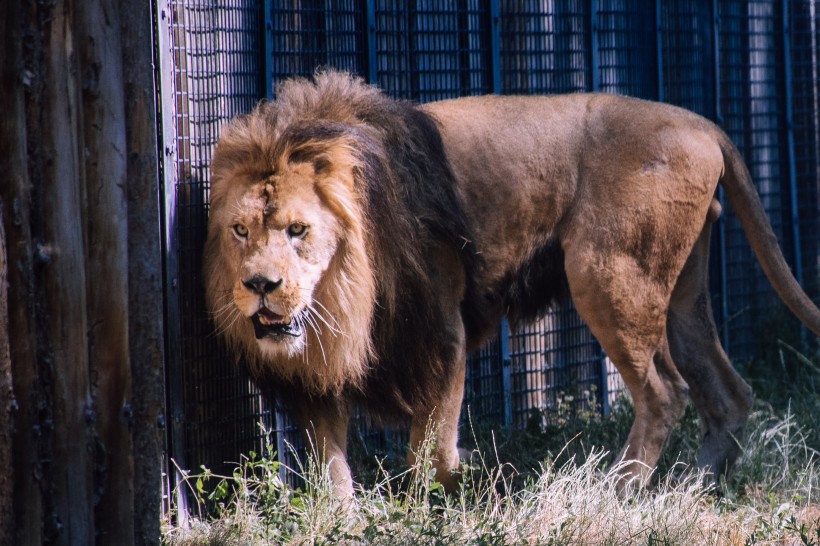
[(555, 496), (773, 500)]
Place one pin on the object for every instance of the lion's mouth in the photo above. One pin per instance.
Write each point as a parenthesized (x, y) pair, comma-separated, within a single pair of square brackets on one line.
[(266, 323)]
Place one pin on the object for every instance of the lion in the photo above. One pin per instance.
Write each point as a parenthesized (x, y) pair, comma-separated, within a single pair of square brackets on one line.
[(360, 246)]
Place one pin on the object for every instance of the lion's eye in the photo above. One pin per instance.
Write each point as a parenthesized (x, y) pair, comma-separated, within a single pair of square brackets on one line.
[(240, 231), (297, 230)]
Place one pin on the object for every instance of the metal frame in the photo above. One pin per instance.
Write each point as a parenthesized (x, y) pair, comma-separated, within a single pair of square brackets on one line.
[(166, 110)]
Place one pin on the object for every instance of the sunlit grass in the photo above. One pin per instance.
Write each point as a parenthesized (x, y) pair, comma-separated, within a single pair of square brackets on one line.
[(523, 488)]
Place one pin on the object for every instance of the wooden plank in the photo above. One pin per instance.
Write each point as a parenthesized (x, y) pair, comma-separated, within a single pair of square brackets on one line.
[(103, 106), (15, 197), (145, 303), (63, 355), (7, 403), (71, 173)]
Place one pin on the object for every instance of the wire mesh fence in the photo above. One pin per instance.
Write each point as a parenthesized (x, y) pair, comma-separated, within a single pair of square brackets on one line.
[(749, 65), (802, 114)]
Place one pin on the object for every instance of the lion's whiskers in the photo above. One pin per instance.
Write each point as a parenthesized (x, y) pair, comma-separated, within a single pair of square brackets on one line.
[(227, 307), (334, 329), (223, 326), (305, 317), (329, 320), (226, 316)]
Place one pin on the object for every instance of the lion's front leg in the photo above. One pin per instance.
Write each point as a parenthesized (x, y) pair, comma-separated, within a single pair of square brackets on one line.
[(442, 422), (440, 414), (325, 426)]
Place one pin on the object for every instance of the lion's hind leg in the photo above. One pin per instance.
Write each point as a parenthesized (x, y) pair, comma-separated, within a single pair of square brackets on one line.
[(722, 398), (659, 398), (625, 311)]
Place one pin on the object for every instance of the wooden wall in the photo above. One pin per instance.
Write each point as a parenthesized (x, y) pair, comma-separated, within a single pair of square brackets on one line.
[(81, 339)]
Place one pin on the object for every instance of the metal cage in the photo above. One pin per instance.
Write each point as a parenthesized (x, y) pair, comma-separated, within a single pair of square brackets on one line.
[(750, 65)]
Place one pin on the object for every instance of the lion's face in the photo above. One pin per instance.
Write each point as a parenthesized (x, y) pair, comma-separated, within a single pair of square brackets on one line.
[(279, 238), (288, 276)]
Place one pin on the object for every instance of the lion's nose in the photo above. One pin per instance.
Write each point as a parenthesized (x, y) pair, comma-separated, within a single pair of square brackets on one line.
[(261, 285)]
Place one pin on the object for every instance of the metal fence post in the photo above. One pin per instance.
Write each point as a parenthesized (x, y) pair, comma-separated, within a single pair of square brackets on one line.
[(372, 57), (495, 46), (506, 369), (594, 64), (267, 43), (715, 18), (594, 84), (659, 49), (788, 107), (173, 370), (724, 302), (504, 329)]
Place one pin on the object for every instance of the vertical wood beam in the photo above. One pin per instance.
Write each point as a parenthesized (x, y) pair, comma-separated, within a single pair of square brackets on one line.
[(19, 483), (145, 280), (73, 159), (56, 122), (106, 261), (7, 403)]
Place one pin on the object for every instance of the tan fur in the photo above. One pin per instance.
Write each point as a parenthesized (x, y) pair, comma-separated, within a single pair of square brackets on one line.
[(420, 239), (627, 187)]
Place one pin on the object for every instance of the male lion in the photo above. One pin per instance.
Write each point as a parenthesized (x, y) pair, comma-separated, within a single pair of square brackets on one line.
[(359, 246)]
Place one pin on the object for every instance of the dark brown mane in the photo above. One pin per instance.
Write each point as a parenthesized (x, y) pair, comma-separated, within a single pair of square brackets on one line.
[(408, 194)]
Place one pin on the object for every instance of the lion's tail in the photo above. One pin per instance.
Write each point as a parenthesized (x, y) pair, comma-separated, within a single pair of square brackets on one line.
[(739, 189)]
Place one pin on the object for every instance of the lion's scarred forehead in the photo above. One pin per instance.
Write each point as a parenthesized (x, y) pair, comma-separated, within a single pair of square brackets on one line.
[(271, 201), (269, 192), (269, 195)]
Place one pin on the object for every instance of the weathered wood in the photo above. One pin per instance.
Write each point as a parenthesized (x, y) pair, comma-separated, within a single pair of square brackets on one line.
[(61, 278), (86, 451), (103, 107), (15, 194), (7, 402), (145, 268)]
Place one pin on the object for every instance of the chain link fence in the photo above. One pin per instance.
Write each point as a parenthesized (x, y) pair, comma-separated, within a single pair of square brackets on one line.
[(749, 65)]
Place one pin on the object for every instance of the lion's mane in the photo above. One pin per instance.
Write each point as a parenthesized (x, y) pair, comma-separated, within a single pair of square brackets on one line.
[(402, 206)]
